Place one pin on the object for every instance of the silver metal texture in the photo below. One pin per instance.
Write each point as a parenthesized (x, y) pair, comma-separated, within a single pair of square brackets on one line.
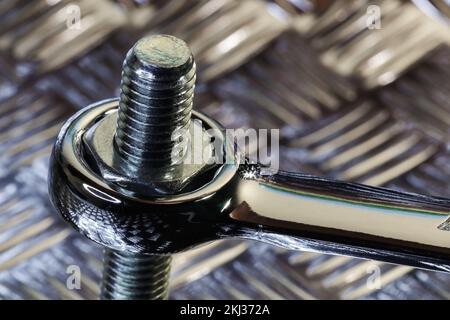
[(134, 276), (157, 89), (394, 137)]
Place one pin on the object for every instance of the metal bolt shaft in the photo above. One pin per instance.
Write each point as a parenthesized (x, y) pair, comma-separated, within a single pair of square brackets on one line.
[(134, 276), (157, 88)]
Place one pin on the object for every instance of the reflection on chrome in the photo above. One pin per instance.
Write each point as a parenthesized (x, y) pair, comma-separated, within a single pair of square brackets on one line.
[(299, 211)]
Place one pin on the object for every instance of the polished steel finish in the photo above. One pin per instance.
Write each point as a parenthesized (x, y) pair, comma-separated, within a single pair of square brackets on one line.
[(305, 212), (145, 152), (223, 34), (154, 115), (290, 210)]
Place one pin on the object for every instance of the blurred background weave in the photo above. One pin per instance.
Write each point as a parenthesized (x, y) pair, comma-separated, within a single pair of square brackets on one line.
[(360, 90)]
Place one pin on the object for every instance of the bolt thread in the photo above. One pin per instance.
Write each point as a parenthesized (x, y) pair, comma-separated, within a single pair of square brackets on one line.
[(130, 276), (157, 90)]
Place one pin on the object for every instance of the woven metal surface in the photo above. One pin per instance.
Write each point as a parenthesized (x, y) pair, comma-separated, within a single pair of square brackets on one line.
[(356, 103)]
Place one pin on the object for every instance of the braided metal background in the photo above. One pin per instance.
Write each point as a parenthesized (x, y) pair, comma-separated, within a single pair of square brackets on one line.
[(355, 103)]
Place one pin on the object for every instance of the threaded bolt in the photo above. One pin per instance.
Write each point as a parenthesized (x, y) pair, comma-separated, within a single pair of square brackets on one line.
[(155, 107), (157, 89), (134, 276)]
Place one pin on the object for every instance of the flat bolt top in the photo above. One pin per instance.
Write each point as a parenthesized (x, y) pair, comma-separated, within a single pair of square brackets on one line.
[(162, 51)]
